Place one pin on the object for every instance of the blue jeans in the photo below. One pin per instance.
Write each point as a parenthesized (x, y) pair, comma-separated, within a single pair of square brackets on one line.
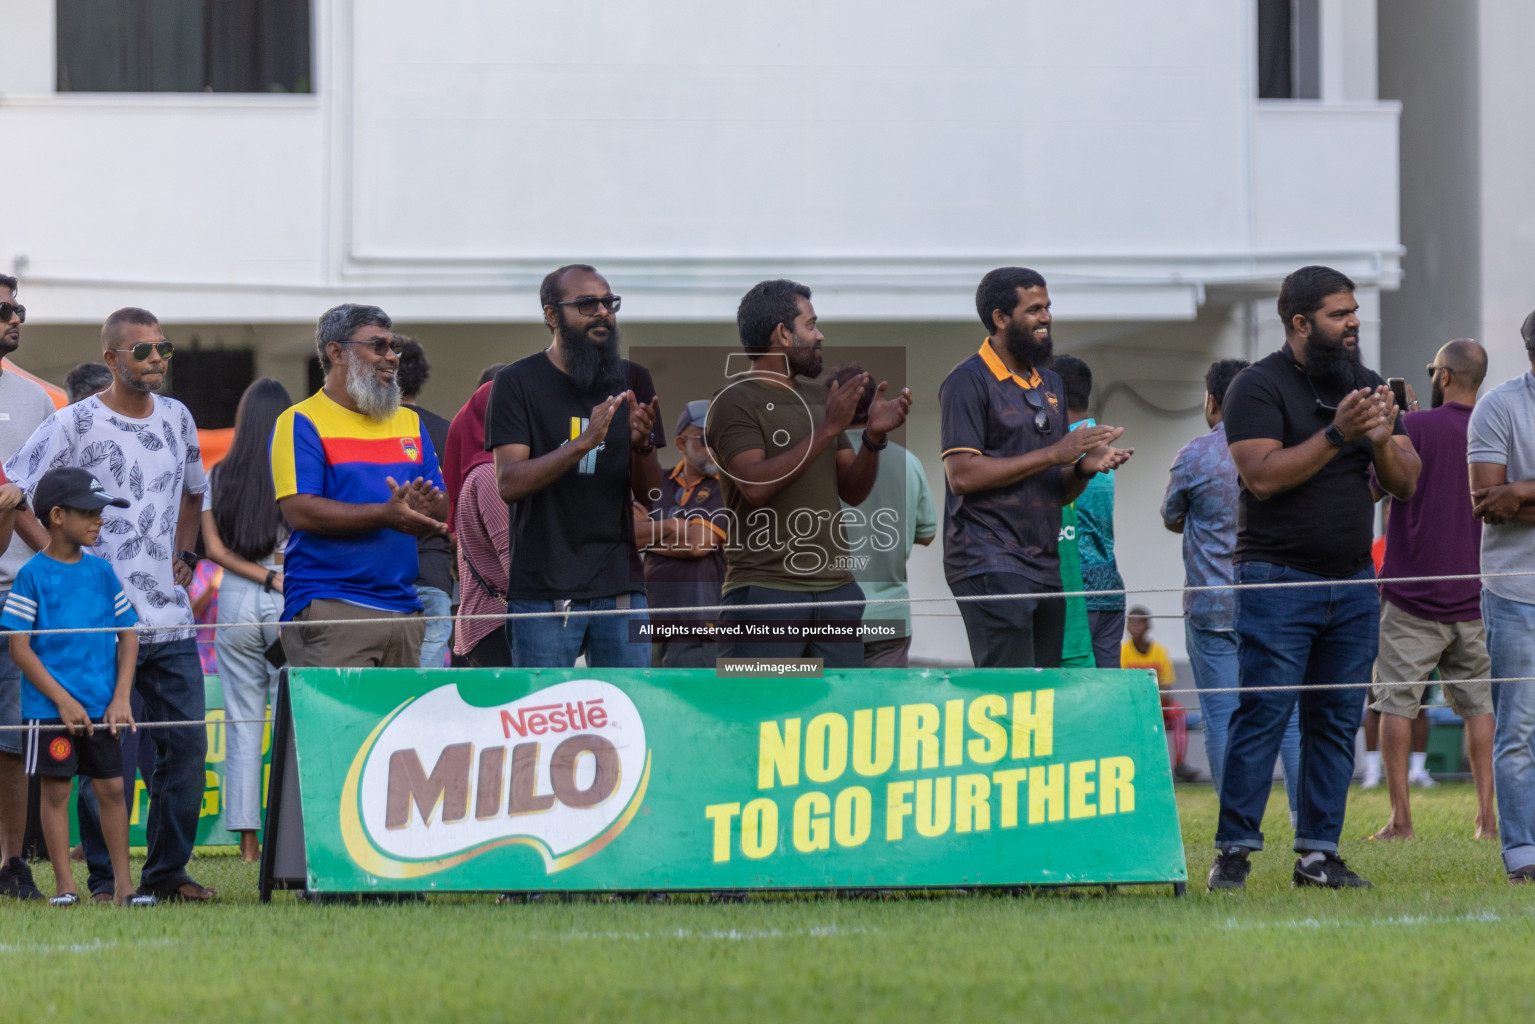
[(169, 681), (1213, 656), (556, 641), (805, 607), (1511, 646), (434, 646), (250, 685), (1300, 639)]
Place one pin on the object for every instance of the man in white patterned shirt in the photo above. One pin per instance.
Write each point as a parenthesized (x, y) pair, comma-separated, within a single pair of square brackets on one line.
[(144, 447)]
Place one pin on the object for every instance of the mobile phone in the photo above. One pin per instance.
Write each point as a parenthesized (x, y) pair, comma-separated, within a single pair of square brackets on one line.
[(1398, 388)]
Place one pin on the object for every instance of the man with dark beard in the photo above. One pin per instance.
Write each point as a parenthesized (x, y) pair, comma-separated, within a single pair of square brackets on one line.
[(780, 440), (1010, 465), (1305, 425), (574, 430), (357, 480)]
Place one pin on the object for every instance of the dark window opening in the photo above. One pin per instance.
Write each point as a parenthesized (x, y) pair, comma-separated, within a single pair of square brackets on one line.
[(1289, 50), (210, 381), (183, 46)]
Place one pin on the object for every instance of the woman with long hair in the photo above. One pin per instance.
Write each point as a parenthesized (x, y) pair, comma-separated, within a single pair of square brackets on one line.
[(244, 532), (478, 518)]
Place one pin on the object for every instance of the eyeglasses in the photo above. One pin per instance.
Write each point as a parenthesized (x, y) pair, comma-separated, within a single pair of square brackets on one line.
[(141, 351), (1321, 406), (587, 305), (380, 345), (10, 309), (1037, 403), (1433, 369)]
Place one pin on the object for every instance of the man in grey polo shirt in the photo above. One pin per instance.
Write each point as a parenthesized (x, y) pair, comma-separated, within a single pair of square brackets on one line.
[(1501, 451), (23, 405)]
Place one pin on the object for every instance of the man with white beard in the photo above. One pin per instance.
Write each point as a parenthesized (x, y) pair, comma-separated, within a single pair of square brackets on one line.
[(357, 481)]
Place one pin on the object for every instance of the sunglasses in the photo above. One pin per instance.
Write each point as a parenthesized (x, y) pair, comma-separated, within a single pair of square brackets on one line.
[(587, 305), (140, 352), (380, 345), (10, 309), (1037, 403)]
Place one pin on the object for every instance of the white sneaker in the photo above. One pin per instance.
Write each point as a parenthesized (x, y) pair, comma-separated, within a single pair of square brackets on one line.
[(1371, 778), (1423, 780)]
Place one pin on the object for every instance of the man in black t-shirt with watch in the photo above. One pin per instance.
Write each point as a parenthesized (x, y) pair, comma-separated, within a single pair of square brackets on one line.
[(574, 430), (1305, 425)]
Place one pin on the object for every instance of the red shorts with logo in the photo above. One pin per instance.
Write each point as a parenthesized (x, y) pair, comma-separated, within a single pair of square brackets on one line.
[(52, 750)]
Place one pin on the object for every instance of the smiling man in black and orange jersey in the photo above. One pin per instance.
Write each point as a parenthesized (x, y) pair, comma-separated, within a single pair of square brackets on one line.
[(683, 540), (1010, 464)]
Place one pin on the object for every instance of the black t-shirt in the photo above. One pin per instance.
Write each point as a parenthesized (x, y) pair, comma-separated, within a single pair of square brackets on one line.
[(575, 538), (434, 553), (1325, 525)]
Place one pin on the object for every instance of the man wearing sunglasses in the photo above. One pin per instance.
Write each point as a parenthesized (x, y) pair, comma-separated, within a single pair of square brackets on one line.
[(1010, 465), (23, 406), (144, 447), (1306, 426), (575, 430), (357, 479)]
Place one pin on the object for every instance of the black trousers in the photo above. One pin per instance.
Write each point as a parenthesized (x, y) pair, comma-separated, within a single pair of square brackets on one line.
[(1019, 632)]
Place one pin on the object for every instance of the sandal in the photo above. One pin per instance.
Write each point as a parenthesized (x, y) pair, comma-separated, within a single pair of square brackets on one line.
[(141, 899), (65, 899), (187, 892)]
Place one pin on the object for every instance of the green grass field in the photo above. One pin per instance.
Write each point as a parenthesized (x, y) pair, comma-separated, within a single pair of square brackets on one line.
[(1441, 937)]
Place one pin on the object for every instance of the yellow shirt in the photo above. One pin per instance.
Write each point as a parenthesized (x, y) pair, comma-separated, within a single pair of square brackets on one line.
[(1156, 657)]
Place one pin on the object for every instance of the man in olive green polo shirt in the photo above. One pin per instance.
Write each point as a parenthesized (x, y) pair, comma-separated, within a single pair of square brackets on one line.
[(777, 437)]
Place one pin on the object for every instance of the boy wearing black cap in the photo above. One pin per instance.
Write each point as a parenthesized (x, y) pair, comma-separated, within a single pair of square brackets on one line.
[(70, 678)]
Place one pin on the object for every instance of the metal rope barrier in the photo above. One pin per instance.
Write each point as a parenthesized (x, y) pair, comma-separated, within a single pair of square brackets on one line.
[(790, 605)]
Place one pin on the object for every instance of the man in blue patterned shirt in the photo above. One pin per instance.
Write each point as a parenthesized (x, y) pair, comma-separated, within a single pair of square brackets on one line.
[(1201, 503)]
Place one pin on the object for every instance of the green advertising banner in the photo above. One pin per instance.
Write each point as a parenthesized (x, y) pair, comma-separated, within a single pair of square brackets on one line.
[(582, 779)]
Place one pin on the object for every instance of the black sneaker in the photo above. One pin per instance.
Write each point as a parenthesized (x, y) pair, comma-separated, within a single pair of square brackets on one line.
[(1230, 869), (1522, 876), (16, 881), (1329, 873)]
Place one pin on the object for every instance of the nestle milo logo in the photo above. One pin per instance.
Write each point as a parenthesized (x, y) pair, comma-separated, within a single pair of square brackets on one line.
[(441, 781)]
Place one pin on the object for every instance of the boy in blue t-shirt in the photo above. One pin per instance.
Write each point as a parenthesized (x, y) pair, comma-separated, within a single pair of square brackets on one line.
[(73, 678)]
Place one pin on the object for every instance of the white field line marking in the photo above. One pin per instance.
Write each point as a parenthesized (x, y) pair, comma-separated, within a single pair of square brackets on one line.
[(1405, 921), (716, 935), (94, 946)]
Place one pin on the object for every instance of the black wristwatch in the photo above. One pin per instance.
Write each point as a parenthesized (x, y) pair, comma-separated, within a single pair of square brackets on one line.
[(637, 450), (1334, 435), (1076, 470), (190, 558), (875, 447)]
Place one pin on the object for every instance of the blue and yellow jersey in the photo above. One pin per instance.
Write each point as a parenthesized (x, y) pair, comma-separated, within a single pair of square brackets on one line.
[(321, 448)]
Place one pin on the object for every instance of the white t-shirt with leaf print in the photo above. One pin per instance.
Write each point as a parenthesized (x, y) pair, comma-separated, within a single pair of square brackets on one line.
[(148, 461)]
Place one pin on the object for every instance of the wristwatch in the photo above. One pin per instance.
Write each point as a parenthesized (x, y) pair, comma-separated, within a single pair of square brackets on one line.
[(189, 557), (875, 447), (1334, 435)]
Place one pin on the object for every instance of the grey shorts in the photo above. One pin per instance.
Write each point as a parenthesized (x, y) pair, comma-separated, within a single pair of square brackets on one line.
[(11, 740)]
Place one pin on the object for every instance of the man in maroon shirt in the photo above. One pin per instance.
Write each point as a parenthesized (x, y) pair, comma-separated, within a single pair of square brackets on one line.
[(1424, 626)]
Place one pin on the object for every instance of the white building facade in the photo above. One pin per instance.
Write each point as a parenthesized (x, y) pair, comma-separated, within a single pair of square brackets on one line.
[(885, 153)]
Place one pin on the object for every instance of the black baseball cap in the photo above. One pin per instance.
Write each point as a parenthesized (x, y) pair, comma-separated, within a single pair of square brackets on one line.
[(72, 487)]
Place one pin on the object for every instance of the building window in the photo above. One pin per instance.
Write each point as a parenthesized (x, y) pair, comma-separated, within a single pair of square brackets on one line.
[(183, 46), (1289, 50), (210, 381)]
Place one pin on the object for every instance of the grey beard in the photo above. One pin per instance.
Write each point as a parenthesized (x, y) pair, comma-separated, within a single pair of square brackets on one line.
[(136, 384), (374, 400)]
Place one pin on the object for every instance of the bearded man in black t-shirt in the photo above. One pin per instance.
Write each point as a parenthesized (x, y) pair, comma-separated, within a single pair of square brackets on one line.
[(574, 430), (1306, 426)]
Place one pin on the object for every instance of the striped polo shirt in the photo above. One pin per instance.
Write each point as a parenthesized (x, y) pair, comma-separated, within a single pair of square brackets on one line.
[(325, 449)]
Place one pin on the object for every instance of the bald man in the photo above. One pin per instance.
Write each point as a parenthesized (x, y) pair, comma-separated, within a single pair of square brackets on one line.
[(143, 447), (1428, 626)]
